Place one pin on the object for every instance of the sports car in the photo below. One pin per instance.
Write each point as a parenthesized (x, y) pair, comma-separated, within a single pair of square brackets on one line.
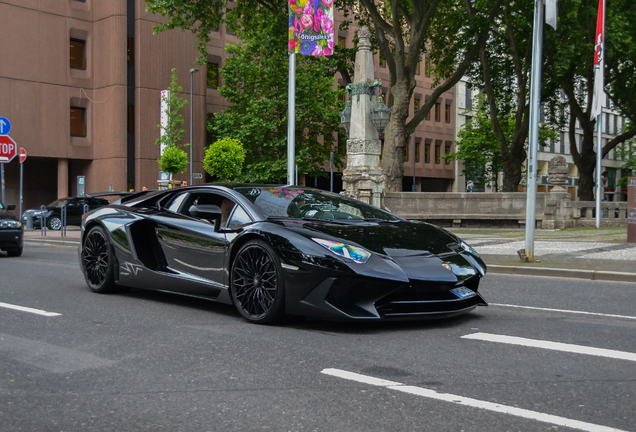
[(273, 251)]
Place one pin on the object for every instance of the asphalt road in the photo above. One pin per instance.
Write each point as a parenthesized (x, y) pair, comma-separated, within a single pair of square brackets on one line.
[(156, 362)]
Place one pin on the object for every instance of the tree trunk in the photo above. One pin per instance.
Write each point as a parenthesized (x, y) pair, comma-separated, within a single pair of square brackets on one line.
[(513, 161), (395, 138), (586, 162)]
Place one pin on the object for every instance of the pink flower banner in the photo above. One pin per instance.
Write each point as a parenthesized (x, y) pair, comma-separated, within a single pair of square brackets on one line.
[(311, 27)]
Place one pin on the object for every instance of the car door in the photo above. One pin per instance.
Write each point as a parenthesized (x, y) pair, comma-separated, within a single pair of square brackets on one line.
[(192, 247), (74, 211)]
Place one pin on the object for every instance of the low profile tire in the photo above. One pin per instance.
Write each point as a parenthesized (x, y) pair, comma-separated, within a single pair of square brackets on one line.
[(14, 252), (257, 283), (98, 261), (54, 223)]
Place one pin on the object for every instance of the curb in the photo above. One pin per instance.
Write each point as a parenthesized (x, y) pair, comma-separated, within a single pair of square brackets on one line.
[(567, 273), (69, 242)]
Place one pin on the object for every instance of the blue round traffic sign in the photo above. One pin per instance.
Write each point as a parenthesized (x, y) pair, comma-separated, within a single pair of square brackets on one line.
[(5, 126)]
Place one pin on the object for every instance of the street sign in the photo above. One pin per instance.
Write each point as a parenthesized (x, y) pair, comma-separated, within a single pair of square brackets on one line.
[(5, 126), (23, 154), (197, 175), (8, 148)]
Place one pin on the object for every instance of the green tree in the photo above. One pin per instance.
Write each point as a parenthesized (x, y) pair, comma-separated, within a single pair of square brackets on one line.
[(173, 159), (224, 158), (255, 83), (479, 145), (569, 54), (450, 33)]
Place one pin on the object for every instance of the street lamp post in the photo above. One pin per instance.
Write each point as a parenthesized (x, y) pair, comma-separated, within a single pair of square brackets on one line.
[(192, 72)]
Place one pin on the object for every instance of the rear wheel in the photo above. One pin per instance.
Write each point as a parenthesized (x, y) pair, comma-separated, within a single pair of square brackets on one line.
[(14, 252), (98, 261), (257, 283), (54, 223)]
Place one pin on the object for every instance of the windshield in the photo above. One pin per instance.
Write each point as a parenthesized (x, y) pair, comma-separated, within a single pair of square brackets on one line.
[(58, 203), (311, 204)]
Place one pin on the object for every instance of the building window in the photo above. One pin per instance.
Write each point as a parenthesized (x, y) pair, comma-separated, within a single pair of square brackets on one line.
[(406, 152), (229, 27), (427, 153), (447, 151), (438, 108), (342, 42), (447, 113), (438, 151), (213, 75), (428, 115), (131, 119), (417, 152), (382, 60), (416, 105), (417, 68), (78, 121), (131, 51), (78, 54), (427, 67)]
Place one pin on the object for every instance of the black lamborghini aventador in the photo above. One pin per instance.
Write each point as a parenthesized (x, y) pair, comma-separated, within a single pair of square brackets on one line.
[(276, 250)]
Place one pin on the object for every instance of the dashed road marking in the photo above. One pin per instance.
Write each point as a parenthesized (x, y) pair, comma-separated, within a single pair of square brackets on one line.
[(29, 310), (465, 401), (564, 311), (556, 346)]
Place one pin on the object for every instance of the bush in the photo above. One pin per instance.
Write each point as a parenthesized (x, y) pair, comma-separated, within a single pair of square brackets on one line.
[(224, 158)]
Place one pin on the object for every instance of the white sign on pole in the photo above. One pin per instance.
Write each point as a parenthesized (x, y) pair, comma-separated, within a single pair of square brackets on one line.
[(165, 98)]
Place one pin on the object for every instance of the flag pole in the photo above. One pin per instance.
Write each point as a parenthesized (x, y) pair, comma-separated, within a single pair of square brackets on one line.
[(535, 103), (291, 119), (597, 103)]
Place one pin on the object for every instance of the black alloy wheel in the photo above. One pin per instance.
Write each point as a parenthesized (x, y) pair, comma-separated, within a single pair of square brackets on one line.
[(98, 261), (257, 283)]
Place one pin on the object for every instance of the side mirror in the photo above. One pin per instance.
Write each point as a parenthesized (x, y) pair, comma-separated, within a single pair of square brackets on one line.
[(11, 207), (205, 211)]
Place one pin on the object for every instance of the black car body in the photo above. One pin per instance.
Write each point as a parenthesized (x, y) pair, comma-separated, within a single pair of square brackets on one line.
[(52, 214), (280, 250), (11, 231)]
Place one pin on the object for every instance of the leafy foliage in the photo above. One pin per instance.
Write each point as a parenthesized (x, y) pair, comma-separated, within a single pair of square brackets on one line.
[(173, 159), (479, 148), (224, 158), (255, 84)]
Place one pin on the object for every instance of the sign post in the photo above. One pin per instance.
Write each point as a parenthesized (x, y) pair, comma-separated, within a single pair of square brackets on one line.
[(8, 149), (631, 210), (23, 156)]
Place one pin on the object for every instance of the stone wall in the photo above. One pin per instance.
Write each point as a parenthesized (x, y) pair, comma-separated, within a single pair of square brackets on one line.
[(553, 209)]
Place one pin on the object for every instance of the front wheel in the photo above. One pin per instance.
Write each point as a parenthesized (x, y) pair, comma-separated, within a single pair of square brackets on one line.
[(14, 252), (98, 261), (257, 283), (54, 223)]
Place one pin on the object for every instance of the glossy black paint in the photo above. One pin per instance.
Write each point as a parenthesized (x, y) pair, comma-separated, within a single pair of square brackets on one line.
[(11, 231), (158, 245)]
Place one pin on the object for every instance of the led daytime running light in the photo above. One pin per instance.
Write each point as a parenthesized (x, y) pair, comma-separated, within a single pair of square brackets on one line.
[(356, 254)]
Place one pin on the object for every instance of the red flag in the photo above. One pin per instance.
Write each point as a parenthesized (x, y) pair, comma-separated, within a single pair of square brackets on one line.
[(599, 61)]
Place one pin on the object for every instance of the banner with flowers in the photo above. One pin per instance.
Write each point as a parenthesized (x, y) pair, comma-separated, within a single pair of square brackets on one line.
[(311, 27)]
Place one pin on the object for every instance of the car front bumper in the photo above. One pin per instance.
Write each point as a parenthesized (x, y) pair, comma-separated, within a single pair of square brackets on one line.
[(11, 238)]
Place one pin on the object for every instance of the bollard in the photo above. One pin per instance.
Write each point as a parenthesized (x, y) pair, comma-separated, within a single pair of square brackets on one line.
[(29, 222), (631, 210)]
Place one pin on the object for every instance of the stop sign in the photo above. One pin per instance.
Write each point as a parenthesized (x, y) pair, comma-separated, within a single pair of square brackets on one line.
[(8, 148)]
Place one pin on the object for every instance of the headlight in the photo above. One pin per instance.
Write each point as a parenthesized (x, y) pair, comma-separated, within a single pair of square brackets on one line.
[(354, 253), (10, 224), (469, 249)]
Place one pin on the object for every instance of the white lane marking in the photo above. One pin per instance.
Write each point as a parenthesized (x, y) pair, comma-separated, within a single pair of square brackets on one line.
[(557, 346), (30, 310), (564, 311), (474, 403)]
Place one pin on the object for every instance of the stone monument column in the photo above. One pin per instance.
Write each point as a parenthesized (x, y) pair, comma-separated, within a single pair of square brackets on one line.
[(363, 178)]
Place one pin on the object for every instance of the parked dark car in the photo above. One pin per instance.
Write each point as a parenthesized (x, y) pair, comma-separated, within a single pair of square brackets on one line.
[(276, 250), (11, 231), (74, 211)]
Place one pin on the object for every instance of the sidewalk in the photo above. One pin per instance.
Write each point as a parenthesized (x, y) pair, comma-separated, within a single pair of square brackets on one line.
[(583, 253)]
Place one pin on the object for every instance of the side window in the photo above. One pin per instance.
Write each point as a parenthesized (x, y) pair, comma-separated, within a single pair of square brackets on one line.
[(176, 203), (239, 217)]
